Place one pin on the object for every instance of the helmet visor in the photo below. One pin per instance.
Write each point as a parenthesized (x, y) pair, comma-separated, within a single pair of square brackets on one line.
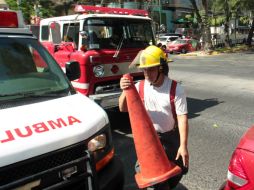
[(135, 62), (144, 60)]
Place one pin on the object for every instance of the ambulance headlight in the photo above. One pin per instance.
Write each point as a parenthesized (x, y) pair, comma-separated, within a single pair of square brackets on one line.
[(97, 143), (98, 71)]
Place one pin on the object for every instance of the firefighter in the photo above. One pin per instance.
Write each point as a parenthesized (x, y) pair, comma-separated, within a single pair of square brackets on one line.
[(170, 124)]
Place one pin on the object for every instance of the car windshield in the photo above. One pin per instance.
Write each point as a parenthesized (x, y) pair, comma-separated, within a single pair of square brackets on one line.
[(109, 33), (27, 68), (163, 39), (173, 38), (179, 41)]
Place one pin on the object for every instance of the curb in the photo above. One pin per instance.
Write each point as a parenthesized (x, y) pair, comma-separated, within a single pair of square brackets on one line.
[(200, 53), (189, 54)]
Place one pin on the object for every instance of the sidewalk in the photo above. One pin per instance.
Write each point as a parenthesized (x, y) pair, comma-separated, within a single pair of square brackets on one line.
[(200, 53), (224, 50)]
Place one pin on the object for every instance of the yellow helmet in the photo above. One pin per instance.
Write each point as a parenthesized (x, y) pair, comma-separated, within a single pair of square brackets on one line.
[(151, 56)]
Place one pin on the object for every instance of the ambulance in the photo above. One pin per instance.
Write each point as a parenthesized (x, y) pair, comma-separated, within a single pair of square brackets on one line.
[(104, 41), (51, 137)]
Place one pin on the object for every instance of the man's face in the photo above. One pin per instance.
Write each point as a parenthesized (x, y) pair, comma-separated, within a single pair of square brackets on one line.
[(151, 73)]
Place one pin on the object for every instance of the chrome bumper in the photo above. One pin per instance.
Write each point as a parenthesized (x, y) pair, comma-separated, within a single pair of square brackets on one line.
[(107, 100)]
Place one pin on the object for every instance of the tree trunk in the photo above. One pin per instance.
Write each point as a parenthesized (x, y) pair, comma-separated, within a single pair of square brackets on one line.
[(194, 4), (226, 29), (250, 35), (206, 29), (199, 19)]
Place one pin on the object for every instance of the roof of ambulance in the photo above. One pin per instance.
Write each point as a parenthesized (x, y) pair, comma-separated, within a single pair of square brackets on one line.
[(84, 16), (13, 31), (13, 24)]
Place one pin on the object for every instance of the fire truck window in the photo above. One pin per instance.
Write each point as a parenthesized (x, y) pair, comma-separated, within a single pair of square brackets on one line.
[(117, 34), (141, 34), (131, 32), (102, 33), (44, 33), (71, 33)]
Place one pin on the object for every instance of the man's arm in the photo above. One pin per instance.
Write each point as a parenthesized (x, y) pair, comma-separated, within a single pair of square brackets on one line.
[(183, 131), (122, 103), (124, 84)]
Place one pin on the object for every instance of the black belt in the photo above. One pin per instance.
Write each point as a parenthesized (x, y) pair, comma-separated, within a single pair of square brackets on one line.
[(165, 133), (171, 132)]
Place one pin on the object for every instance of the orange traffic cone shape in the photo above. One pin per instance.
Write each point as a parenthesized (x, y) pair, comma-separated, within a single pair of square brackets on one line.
[(154, 164)]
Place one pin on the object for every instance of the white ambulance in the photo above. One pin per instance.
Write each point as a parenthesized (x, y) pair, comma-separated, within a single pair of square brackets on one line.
[(50, 136)]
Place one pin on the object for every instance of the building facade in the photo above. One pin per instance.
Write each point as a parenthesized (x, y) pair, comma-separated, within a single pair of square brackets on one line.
[(3, 4), (161, 11)]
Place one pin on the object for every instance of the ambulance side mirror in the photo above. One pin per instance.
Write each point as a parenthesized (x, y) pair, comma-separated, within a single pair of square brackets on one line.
[(72, 69)]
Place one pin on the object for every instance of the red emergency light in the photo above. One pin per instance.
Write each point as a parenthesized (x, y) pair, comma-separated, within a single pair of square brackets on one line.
[(109, 10), (9, 19)]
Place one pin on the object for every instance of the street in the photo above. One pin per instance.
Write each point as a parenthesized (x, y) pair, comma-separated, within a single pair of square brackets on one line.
[(220, 95), (60, 67)]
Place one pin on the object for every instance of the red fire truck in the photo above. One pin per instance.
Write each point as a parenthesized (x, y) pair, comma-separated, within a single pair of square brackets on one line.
[(104, 41)]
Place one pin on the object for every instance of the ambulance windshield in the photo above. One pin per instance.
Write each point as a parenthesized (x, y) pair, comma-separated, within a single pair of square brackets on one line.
[(108, 33), (26, 67)]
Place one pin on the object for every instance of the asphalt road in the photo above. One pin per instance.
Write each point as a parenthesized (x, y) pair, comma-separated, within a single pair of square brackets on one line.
[(220, 95)]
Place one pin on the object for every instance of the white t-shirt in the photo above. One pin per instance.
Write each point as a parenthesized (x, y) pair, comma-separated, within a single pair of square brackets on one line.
[(157, 104)]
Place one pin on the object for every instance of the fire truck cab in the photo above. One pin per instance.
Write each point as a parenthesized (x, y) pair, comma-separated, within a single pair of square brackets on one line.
[(104, 41), (51, 137)]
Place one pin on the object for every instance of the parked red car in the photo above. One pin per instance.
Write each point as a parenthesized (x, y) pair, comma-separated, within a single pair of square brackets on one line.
[(183, 46), (241, 167)]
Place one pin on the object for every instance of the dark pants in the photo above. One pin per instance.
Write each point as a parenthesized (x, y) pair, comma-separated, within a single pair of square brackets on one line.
[(170, 142)]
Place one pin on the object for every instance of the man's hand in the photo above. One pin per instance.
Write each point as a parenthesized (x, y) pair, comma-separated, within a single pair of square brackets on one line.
[(183, 152), (124, 83)]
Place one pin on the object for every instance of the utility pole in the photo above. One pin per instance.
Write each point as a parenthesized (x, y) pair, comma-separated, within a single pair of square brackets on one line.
[(160, 11)]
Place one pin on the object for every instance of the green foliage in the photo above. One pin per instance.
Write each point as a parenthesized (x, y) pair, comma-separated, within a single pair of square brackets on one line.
[(247, 4), (235, 49), (28, 8), (235, 6), (243, 20), (191, 20), (45, 10), (12, 4), (217, 20)]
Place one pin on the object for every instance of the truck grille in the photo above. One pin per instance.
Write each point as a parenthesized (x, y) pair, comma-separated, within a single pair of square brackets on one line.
[(44, 162)]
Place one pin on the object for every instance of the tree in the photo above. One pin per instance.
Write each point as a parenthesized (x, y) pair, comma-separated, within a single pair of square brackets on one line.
[(225, 6), (202, 18), (232, 7), (248, 5), (31, 8)]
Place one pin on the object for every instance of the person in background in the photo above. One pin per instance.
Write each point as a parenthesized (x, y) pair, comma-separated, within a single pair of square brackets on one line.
[(164, 48), (159, 45)]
